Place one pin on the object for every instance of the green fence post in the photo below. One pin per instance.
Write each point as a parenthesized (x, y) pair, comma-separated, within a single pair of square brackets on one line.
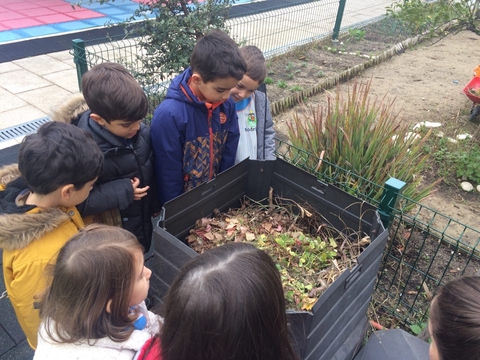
[(80, 59), (391, 190), (338, 21)]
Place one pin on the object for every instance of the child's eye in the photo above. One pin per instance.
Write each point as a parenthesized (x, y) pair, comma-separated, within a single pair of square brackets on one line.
[(126, 126)]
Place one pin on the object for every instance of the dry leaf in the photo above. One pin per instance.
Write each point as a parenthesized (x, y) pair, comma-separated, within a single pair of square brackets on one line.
[(365, 241), (267, 226), (209, 236), (308, 304), (218, 237), (249, 236), (335, 263), (191, 238)]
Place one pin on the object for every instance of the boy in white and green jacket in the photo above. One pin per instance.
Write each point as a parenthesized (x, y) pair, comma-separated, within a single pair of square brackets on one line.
[(253, 110)]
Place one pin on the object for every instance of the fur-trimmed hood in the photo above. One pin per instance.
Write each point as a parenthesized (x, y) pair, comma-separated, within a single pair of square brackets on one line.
[(20, 225), (8, 173), (70, 110)]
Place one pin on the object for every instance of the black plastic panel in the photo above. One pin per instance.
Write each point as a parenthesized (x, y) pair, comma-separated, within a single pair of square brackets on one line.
[(336, 326)]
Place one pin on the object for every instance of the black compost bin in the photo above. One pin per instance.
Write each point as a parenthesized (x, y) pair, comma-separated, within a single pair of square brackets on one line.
[(336, 326)]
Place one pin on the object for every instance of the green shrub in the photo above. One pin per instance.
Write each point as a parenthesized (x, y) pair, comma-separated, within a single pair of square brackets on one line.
[(457, 160), (357, 34), (420, 16), (468, 165), (361, 136), (167, 40), (268, 80)]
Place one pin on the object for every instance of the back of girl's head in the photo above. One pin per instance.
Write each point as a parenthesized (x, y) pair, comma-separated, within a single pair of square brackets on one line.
[(227, 303), (455, 320), (95, 266)]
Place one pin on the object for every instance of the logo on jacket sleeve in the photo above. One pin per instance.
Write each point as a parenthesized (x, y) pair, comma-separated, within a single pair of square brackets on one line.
[(223, 118)]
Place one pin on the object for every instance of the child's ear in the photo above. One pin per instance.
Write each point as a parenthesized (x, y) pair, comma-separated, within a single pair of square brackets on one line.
[(108, 308), (98, 119), (196, 78), (67, 191)]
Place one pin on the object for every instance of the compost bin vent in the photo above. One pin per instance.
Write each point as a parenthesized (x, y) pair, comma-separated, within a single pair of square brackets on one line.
[(22, 129)]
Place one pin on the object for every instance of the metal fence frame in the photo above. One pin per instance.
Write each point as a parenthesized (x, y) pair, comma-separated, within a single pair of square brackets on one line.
[(425, 248), (275, 31)]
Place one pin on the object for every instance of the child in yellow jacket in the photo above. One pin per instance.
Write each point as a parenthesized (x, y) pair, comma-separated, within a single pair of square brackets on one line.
[(56, 171)]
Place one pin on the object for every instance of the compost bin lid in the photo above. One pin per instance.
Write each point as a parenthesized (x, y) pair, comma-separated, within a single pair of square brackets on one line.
[(394, 345)]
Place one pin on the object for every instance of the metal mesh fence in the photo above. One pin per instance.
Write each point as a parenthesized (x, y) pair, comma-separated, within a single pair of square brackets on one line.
[(125, 51), (425, 248), (274, 32), (277, 31)]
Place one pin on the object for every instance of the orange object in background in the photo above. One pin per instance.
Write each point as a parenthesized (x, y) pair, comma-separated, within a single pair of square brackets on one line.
[(476, 71)]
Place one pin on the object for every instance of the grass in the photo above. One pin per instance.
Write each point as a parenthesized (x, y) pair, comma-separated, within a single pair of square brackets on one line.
[(456, 161), (362, 136)]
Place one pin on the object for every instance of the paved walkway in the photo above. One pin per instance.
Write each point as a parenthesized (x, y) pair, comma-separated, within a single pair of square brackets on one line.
[(31, 85)]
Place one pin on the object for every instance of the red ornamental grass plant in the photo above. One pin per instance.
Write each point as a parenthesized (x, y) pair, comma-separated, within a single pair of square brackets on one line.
[(362, 143)]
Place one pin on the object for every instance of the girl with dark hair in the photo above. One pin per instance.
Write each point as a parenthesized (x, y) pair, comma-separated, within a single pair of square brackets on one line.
[(94, 307), (454, 323), (227, 303)]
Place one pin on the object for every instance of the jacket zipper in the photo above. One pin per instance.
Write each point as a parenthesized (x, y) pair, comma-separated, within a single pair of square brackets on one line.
[(210, 175)]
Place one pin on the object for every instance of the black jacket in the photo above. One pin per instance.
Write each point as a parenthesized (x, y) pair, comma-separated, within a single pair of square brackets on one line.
[(124, 160)]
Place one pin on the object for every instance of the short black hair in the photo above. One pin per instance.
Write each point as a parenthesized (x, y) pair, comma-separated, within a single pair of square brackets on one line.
[(216, 56), (113, 93), (59, 154)]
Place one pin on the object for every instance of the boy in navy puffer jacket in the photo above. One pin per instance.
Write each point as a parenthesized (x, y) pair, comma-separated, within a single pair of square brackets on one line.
[(194, 131)]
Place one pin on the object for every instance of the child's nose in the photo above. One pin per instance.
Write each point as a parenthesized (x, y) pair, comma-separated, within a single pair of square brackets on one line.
[(148, 273)]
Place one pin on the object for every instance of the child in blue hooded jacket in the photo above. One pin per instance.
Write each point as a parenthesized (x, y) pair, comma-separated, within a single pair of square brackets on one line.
[(194, 131)]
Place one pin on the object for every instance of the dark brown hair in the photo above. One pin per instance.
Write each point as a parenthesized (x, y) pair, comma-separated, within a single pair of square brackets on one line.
[(113, 93), (455, 319), (216, 56), (227, 303), (96, 265), (256, 66), (59, 154)]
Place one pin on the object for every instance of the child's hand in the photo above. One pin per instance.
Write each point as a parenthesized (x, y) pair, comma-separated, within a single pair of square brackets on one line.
[(138, 193)]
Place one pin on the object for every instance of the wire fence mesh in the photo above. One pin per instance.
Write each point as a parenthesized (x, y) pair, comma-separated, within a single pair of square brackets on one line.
[(277, 31), (425, 248)]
